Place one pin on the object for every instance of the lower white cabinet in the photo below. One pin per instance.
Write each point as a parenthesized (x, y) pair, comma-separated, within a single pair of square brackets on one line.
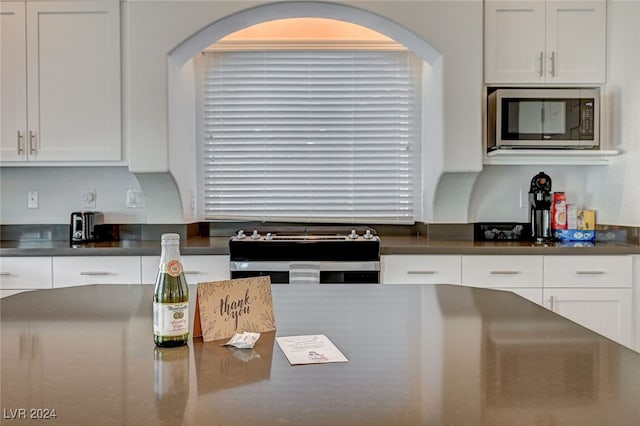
[(24, 273), (197, 268), (607, 311), (594, 291), (82, 270), (420, 269)]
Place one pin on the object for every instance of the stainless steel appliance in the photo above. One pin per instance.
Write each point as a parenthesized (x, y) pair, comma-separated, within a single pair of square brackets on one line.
[(307, 255), (543, 118), (540, 207), (83, 226)]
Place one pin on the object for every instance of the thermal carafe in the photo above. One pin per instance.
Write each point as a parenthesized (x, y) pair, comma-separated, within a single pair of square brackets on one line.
[(540, 199), (83, 226)]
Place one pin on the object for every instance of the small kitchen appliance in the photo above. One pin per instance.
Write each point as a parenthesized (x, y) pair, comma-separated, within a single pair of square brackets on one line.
[(543, 118), (83, 226), (540, 199)]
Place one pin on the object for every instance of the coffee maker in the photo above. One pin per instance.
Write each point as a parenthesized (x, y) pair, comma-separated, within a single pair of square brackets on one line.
[(540, 199)]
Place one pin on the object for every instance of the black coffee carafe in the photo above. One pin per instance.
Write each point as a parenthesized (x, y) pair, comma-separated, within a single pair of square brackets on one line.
[(540, 199)]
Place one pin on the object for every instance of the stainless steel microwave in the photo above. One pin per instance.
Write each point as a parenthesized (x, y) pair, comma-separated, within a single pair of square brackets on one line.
[(543, 118)]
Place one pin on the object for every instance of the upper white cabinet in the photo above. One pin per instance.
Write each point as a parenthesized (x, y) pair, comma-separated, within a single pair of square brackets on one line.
[(60, 68), (545, 41)]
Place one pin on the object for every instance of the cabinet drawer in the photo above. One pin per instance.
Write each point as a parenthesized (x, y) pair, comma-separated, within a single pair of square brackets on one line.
[(587, 271), (72, 271), (17, 273), (197, 269), (420, 269), (502, 271)]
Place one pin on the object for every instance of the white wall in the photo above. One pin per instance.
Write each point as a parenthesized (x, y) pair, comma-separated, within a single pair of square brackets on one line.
[(612, 190), (60, 193)]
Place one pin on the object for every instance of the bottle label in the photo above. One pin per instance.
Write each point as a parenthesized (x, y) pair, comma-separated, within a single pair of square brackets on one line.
[(173, 268), (170, 319)]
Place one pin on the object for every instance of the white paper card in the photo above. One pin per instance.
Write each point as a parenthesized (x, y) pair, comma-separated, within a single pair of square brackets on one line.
[(310, 349)]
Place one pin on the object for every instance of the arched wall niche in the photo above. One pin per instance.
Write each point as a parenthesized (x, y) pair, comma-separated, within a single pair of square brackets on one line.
[(299, 9), (182, 94)]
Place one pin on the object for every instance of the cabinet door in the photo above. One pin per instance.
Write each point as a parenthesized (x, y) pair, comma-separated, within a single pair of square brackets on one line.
[(21, 273), (514, 41), (13, 82), (82, 270), (420, 269), (576, 41), (197, 269), (73, 80), (605, 311)]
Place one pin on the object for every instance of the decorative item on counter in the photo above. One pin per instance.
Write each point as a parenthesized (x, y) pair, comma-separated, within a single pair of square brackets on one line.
[(224, 308), (559, 211)]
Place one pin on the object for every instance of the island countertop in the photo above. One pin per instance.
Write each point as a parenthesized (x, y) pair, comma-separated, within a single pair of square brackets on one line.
[(418, 355)]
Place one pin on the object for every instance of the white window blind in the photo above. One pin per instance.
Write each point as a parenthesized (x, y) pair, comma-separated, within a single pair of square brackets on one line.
[(311, 135)]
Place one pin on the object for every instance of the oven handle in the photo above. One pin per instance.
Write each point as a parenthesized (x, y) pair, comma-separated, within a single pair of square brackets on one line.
[(270, 266)]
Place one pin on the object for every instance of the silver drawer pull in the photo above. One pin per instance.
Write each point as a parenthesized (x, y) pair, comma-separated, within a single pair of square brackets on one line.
[(590, 272), (5, 274), (91, 273), (191, 272), (504, 272), (422, 272)]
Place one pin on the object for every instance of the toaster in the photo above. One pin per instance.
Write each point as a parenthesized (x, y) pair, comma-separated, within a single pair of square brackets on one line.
[(83, 226)]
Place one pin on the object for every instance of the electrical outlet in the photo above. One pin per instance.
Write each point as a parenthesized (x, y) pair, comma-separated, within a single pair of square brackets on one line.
[(134, 199), (32, 199), (89, 199)]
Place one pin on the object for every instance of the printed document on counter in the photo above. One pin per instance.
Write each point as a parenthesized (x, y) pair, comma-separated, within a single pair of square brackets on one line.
[(310, 349)]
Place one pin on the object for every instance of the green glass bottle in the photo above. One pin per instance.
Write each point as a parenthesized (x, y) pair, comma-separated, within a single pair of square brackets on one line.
[(171, 297)]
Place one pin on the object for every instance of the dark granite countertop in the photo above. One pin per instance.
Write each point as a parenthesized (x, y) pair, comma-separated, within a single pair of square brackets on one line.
[(390, 244), (417, 355)]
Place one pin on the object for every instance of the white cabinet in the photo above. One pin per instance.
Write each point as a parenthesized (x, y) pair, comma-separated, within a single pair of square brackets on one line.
[(605, 311), (196, 268), (24, 273), (594, 291), (82, 270), (519, 274), (545, 41), (60, 73), (420, 269)]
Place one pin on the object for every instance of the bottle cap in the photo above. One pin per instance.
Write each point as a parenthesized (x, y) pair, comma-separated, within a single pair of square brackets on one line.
[(170, 238)]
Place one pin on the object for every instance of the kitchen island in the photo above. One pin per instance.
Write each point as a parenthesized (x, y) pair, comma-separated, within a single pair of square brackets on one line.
[(418, 355)]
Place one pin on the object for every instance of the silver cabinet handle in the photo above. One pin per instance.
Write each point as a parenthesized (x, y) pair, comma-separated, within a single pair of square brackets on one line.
[(552, 303), (33, 141), (553, 64), (92, 273), (504, 272), (20, 142), (191, 272), (422, 272), (541, 64), (590, 272), (5, 274)]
